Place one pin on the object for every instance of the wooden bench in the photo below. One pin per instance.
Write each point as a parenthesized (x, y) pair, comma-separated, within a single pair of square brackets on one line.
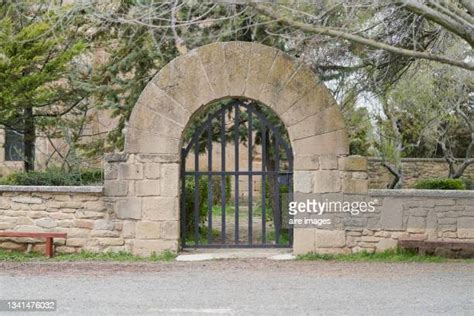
[(431, 246), (49, 236)]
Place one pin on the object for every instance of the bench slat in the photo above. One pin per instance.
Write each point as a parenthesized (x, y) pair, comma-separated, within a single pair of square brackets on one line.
[(33, 235)]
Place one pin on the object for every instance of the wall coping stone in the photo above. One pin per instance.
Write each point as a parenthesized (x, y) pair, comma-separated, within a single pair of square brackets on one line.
[(441, 160), (116, 157), (423, 193), (48, 188)]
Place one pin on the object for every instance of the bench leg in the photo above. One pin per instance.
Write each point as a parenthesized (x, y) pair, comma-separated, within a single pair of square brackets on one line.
[(49, 247)]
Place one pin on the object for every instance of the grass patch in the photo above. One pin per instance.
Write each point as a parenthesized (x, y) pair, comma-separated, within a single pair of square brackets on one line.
[(391, 255), (121, 256)]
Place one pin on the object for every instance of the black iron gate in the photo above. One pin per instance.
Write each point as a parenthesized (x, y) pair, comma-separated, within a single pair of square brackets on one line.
[(241, 220)]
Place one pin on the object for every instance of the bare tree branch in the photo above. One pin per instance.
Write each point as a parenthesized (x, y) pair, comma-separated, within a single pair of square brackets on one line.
[(333, 32)]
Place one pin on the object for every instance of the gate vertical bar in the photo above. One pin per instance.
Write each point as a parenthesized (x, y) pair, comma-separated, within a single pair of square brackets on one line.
[(209, 182), (264, 186), (236, 143), (250, 168), (223, 176), (276, 197), (183, 198), (196, 193)]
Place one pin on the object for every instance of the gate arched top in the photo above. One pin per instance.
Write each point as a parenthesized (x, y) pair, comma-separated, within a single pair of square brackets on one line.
[(236, 69), (251, 109)]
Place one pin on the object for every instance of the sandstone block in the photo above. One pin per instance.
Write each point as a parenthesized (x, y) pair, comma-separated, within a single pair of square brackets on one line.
[(130, 171), (304, 239), (170, 179), (330, 239), (306, 162), (27, 200), (147, 187), (148, 230), (326, 181), (355, 186), (46, 222), (152, 170), (129, 208), (160, 208), (353, 163), (116, 188), (148, 247), (303, 181)]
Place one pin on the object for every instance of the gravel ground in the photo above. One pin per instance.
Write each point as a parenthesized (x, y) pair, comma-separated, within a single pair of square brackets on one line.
[(244, 287)]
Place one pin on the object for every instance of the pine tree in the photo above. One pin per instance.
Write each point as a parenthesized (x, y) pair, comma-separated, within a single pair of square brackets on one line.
[(35, 80)]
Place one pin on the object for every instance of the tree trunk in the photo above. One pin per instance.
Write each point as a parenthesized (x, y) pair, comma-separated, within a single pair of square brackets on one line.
[(272, 181), (29, 139)]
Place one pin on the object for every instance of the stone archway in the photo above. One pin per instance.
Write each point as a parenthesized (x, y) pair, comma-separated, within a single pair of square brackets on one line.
[(147, 183)]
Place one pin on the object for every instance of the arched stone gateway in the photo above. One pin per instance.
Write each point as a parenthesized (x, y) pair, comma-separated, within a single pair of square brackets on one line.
[(144, 181)]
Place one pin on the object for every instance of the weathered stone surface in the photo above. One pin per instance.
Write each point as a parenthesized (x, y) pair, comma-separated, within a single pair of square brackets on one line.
[(160, 208), (169, 230), (148, 230), (299, 84), (76, 242), (304, 241), (84, 223), (353, 163), (147, 187), (330, 143), (355, 186), (306, 162), (311, 103), (158, 158), (328, 162), (330, 239), (282, 69), (214, 62), (155, 100), (303, 181), (130, 171), (146, 142), (170, 177), (128, 229), (237, 56), (27, 200), (326, 181), (149, 247), (184, 80), (328, 120), (46, 222), (466, 227), (152, 170), (392, 215), (103, 224), (129, 208), (156, 122), (110, 241), (260, 63), (116, 187), (110, 171)]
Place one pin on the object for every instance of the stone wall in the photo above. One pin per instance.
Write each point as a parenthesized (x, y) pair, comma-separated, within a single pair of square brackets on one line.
[(415, 214), (414, 169), (145, 189), (81, 212)]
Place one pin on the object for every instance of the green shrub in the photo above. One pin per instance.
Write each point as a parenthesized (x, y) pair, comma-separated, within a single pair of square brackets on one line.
[(190, 189), (54, 177), (440, 184), (217, 192), (469, 183)]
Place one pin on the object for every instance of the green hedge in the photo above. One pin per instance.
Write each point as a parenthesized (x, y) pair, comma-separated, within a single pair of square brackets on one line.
[(440, 184), (54, 177), (203, 199)]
